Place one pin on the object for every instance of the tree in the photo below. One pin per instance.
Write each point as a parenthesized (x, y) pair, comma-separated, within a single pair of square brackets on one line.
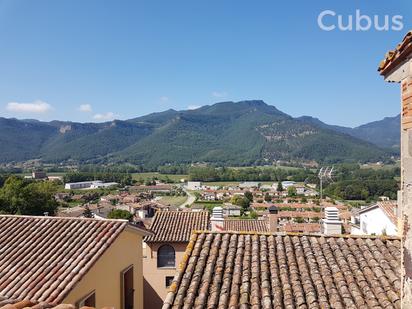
[(299, 220), (291, 191), (249, 196), (19, 196), (253, 215), (268, 197), (280, 187), (240, 201), (120, 214)]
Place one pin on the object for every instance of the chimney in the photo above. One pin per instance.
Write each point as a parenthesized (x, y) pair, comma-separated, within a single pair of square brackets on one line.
[(331, 225), (273, 219), (216, 221)]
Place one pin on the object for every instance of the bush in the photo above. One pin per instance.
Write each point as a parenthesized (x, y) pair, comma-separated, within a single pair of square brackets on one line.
[(120, 214)]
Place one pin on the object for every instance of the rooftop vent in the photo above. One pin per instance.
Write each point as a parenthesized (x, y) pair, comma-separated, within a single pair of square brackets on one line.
[(332, 224), (216, 221)]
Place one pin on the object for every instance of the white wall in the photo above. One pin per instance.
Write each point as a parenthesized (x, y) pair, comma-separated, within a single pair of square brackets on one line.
[(375, 221)]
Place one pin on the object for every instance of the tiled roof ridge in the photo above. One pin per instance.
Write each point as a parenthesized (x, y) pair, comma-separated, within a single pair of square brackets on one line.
[(176, 226), (394, 57), (90, 263), (346, 236), (320, 278), (61, 218), (6, 303), (99, 236)]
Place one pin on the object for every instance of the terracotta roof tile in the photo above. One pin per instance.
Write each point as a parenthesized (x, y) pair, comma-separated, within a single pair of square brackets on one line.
[(177, 226), (301, 228), (389, 208), (245, 270), (394, 57), (238, 225), (21, 304), (42, 258)]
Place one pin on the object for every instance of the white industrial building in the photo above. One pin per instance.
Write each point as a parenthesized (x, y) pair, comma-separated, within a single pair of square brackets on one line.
[(95, 184), (194, 185)]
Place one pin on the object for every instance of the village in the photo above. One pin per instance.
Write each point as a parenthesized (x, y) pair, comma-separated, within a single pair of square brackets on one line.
[(173, 215)]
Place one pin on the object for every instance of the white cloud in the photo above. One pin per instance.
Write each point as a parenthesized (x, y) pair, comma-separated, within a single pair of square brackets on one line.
[(85, 108), (219, 94), (105, 117), (164, 99), (38, 107), (190, 107)]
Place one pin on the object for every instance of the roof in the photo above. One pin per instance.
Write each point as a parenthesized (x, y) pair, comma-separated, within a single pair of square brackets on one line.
[(43, 258), (177, 226), (395, 57), (301, 227), (20, 304), (388, 208), (241, 270), (238, 225)]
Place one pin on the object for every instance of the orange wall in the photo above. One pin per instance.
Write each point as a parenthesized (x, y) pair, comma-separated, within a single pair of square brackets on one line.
[(105, 275), (155, 290)]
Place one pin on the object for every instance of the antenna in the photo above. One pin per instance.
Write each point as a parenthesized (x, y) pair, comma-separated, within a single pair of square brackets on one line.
[(325, 175)]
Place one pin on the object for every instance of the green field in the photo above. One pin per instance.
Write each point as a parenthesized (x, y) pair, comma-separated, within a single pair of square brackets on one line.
[(173, 200), (150, 176)]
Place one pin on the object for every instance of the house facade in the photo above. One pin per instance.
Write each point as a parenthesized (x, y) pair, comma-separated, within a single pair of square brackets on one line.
[(78, 261), (164, 250)]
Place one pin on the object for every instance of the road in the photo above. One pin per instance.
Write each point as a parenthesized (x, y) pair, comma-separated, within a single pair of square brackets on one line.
[(191, 198)]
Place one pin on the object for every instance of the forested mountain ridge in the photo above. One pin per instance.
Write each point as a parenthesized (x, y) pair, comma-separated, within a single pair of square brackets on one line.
[(227, 133), (383, 133)]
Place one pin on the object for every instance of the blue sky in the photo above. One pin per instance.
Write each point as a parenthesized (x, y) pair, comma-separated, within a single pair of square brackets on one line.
[(97, 60)]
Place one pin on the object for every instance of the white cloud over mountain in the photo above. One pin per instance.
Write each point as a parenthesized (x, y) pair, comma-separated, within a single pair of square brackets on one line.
[(36, 107)]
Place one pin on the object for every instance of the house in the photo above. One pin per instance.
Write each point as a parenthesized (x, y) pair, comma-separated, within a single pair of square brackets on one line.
[(194, 185), (231, 210), (38, 174), (380, 218), (98, 185), (245, 225), (249, 185), (397, 67), (165, 250), (263, 270), (50, 261), (300, 190)]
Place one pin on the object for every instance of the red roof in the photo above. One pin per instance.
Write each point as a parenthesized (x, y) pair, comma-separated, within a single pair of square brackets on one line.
[(43, 258), (177, 226)]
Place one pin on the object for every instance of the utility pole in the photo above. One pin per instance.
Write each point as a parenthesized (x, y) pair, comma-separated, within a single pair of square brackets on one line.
[(325, 174)]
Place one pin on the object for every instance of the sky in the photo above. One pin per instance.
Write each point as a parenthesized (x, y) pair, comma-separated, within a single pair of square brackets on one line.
[(93, 61)]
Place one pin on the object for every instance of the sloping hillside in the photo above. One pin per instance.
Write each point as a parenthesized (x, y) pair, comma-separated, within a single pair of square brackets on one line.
[(247, 132)]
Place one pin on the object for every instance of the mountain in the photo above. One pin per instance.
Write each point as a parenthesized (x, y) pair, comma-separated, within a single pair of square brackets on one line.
[(384, 133), (242, 133)]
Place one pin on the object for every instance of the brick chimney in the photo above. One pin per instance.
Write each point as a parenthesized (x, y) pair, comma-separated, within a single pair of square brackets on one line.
[(273, 219), (397, 67), (216, 221), (331, 225)]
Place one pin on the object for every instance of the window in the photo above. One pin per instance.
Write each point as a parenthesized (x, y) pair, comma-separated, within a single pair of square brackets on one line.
[(168, 281), (166, 256), (88, 301), (127, 288)]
